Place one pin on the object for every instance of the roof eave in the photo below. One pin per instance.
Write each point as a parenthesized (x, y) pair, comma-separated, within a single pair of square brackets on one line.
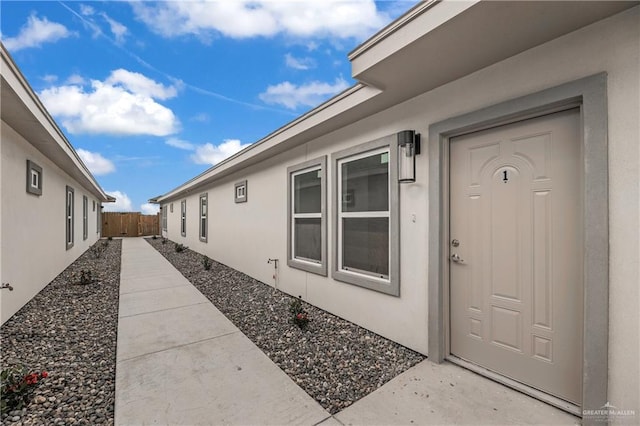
[(25, 95), (319, 116)]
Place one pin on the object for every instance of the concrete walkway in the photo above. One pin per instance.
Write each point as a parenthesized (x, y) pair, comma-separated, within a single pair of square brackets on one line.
[(181, 362)]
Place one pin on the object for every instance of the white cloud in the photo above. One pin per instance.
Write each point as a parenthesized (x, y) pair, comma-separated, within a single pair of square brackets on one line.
[(212, 154), (148, 208), (310, 94), (203, 117), (141, 85), (122, 204), (97, 164), (180, 144), (35, 32), (50, 78), (76, 79), (123, 104), (299, 63), (87, 10), (263, 18), (119, 30)]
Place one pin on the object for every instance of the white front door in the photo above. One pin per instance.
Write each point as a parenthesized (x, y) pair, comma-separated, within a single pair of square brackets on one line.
[(516, 280)]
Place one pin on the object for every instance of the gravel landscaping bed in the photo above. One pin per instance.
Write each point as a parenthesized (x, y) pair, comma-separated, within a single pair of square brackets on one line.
[(69, 330), (333, 360)]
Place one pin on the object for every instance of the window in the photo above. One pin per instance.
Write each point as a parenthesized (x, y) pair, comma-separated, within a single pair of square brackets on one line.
[(171, 208), (69, 217), (307, 201), (34, 178), (203, 217), (366, 227), (164, 217), (241, 192), (85, 217), (98, 217), (183, 218)]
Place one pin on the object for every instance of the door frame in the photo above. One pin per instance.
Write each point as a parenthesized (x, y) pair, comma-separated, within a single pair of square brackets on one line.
[(590, 95)]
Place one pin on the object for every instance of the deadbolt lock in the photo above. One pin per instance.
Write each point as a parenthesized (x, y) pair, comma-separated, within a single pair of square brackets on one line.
[(455, 242)]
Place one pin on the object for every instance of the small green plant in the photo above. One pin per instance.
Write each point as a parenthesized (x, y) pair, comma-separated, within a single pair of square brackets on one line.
[(109, 238), (105, 243), (164, 241), (180, 248), (206, 262), (300, 316), (98, 249), (84, 277), (155, 237), (17, 388)]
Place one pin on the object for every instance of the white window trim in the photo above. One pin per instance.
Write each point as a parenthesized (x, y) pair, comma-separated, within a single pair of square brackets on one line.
[(34, 170), (69, 216), (309, 265), (390, 284), (240, 187), (35, 183), (183, 218), (204, 216)]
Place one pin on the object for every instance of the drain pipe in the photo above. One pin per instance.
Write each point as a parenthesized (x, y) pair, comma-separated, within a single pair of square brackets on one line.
[(275, 270)]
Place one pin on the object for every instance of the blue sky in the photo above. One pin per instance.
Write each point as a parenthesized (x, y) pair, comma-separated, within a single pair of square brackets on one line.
[(153, 93)]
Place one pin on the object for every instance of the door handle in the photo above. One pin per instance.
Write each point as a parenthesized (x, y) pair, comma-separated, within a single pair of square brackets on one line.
[(456, 258)]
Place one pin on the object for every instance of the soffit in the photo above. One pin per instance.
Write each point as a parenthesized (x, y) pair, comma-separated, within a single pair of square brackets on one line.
[(439, 42)]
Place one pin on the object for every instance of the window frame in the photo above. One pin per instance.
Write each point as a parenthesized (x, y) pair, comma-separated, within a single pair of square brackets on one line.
[(320, 267), (69, 216), (183, 218), (241, 198), (204, 217), (85, 217), (98, 211), (31, 169), (366, 279), (164, 217)]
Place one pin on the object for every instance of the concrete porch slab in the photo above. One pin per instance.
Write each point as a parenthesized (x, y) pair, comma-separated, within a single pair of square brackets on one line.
[(430, 394)]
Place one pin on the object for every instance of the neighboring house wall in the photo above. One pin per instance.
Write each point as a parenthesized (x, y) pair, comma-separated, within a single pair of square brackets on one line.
[(33, 226), (245, 235), (36, 244)]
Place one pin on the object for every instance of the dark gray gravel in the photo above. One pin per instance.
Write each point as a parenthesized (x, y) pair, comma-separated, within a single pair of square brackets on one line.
[(70, 331), (333, 360)]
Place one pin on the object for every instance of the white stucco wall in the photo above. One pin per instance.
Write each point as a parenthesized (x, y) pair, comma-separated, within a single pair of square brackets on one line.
[(33, 227), (244, 236)]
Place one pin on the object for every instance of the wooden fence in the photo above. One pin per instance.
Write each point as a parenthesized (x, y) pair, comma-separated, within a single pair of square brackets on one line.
[(129, 224)]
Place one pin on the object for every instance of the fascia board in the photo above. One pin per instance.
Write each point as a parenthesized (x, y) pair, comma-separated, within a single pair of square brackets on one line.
[(410, 27)]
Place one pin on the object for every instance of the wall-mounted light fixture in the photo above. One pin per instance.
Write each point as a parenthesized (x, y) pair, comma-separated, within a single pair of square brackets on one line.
[(408, 148)]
